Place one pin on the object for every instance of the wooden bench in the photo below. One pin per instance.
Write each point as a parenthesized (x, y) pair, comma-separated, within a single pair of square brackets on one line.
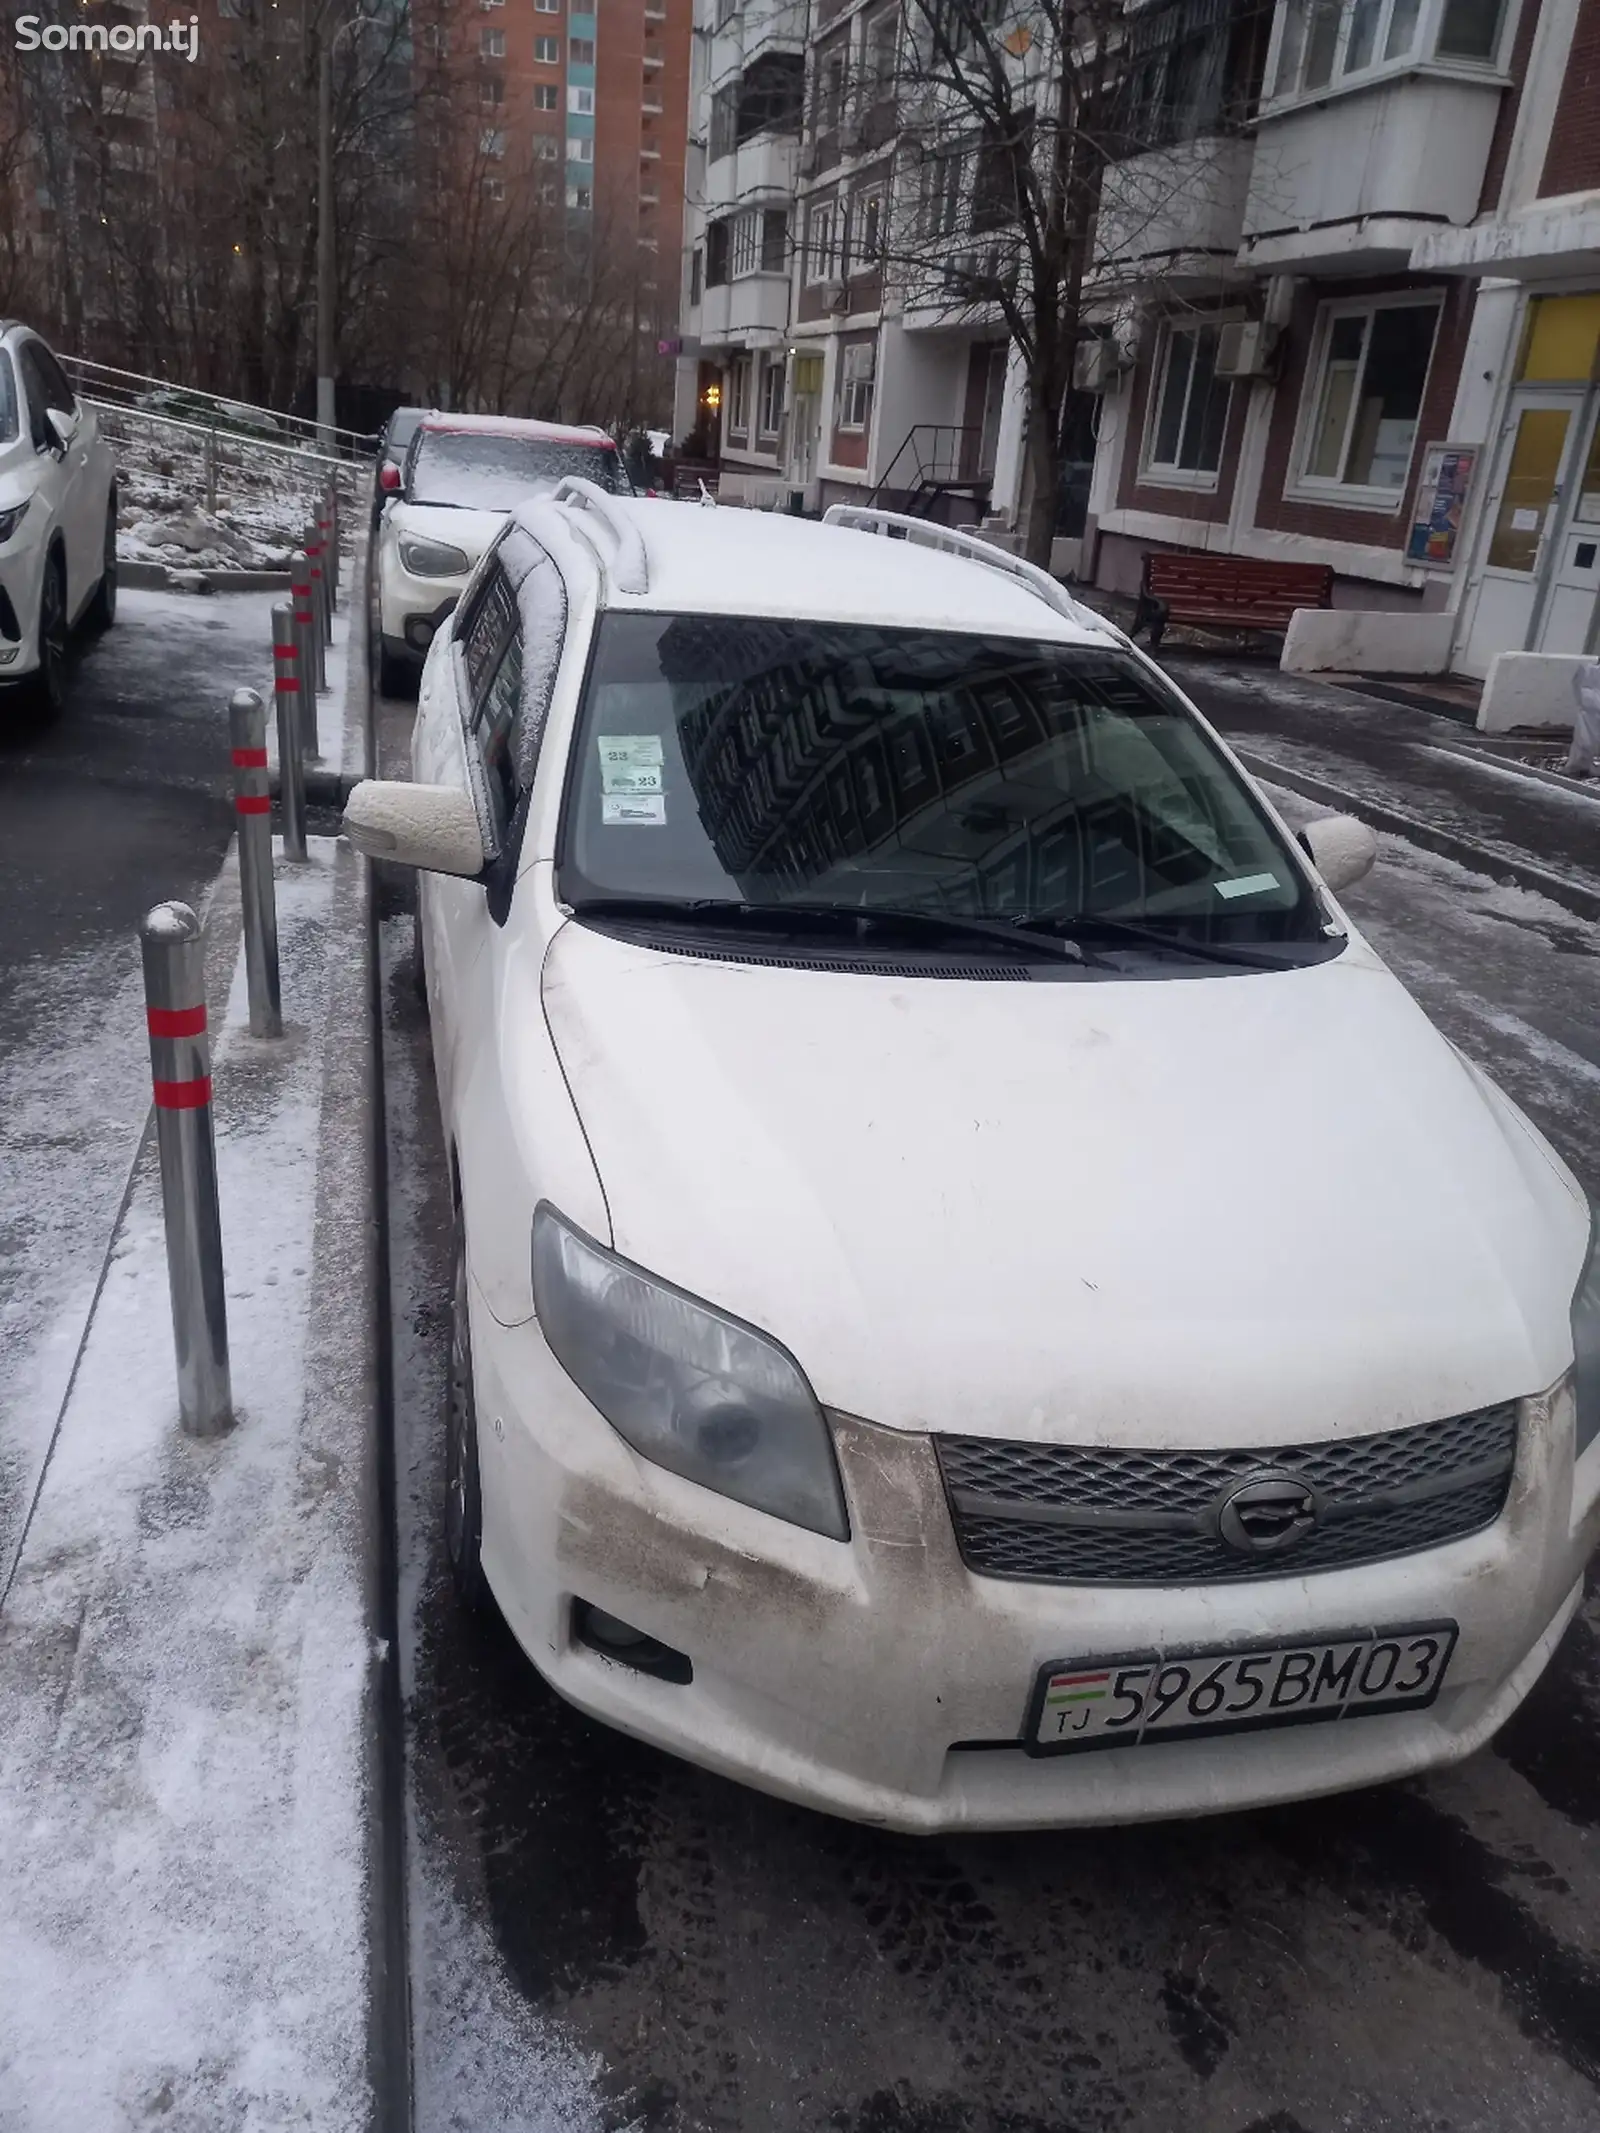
[(1226, 592)]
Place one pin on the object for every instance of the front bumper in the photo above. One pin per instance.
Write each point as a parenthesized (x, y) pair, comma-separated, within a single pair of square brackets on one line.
[(410, 609), (21, 578), (880, 1680)]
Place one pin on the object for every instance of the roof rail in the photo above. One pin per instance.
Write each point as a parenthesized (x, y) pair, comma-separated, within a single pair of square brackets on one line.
[(895, 525), (629, 565)]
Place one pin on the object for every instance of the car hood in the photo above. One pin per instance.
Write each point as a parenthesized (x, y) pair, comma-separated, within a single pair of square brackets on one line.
[(1224, 1210), (470, 531)]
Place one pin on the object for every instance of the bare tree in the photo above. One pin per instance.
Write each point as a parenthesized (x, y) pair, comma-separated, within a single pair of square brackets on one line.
[(1042, 150)]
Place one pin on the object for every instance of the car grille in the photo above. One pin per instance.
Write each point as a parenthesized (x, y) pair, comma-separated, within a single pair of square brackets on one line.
[(1081, 1514)]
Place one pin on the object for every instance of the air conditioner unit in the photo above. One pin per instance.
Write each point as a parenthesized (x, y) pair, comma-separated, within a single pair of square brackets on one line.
[(1096, 366), (1247, 348)]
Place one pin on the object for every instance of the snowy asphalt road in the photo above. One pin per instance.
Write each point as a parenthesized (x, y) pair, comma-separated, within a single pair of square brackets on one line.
[(603, 1937), (121, 803)]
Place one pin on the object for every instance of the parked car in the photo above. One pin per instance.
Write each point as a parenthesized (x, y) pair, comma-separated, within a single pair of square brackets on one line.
[(58, 519), (394, 441), (462, 474), (978, 1299)]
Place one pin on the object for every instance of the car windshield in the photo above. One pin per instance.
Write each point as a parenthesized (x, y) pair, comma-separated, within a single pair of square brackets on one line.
[(403, 426), (478, 468), (8, 400), (862, 768)]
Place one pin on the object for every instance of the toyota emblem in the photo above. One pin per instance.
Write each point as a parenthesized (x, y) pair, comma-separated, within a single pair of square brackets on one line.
[(1267, 1513)]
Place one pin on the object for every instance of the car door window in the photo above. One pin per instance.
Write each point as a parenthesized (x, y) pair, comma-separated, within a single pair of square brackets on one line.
[(8, 399), (37, 395), (57, 392)]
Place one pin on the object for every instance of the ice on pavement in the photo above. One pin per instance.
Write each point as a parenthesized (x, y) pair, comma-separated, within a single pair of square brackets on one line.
[(183, 1675)]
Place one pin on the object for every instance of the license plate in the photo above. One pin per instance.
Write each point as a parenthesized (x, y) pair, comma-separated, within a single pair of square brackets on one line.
[(1135, 1698)]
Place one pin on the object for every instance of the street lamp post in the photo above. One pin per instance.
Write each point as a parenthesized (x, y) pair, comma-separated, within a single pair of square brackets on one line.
[(327, 277)]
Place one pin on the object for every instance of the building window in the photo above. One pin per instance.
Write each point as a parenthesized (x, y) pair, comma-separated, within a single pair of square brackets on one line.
[(769, 410), (879, 54), (1324, 42), (546, 96), (746, 242), (491, 89), (1367, 379), (580, 147), (494, 188), (822, 243), (697, 274), (855, 388), (492, 44), (581, 101), (547, 51), (580, 51), (1189, 409), (491, 142), (739, 398), (548, 148), (830, 91), (716, 254), (866, 230), (547, 7), (581, 197), (775, 240), (939, 201)]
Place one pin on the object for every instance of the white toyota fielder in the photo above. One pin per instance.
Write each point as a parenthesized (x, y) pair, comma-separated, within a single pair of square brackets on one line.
[(58, 519), (978, 1300)]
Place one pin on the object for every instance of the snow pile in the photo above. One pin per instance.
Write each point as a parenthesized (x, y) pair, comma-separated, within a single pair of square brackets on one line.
[(183, 1674), (264, 497)]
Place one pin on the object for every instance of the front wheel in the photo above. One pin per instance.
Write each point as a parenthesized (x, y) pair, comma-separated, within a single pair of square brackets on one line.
[(49, 691), (463, 1492), (103, 607)]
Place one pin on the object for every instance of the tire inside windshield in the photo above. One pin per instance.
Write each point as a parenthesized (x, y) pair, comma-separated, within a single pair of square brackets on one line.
[(730, 758)]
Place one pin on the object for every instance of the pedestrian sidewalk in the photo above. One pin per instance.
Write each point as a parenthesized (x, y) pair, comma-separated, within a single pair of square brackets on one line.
[(191, 1927), (1407, 770)]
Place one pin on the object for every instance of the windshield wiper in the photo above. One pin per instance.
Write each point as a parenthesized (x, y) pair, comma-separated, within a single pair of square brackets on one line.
[(1130, 930), (1019, 935)]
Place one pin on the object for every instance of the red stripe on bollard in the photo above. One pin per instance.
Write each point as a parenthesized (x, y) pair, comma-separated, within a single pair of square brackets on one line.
[(249, 759), (286, 685), (176, 1021), (286, 651), (304, 616), (183, 1095), (249, 804)]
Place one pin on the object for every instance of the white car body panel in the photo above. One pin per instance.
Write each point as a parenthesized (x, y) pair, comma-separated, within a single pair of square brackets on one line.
[(400, 592), (1232, 1209), (68, 493)]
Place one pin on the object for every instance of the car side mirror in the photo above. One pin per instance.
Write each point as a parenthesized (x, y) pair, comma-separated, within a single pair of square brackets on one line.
[(389, 477), (62, 426), (1340, 848), (431, 827)]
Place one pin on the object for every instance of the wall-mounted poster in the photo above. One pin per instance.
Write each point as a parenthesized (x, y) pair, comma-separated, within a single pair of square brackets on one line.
[(1441, 500)]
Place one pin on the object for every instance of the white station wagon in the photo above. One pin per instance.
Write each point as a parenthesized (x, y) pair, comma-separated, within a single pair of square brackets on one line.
[(979, 1300)]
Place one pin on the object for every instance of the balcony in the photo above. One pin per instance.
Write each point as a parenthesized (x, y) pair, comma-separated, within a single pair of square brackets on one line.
[(759, 169), (752, 311), (1177, 213)]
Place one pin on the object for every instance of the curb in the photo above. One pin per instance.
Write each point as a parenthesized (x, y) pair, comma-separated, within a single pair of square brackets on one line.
[(1577, 787), (1506, 867)]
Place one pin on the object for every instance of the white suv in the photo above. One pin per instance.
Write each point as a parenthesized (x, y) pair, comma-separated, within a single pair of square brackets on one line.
[(58, 518), (978, 1300)]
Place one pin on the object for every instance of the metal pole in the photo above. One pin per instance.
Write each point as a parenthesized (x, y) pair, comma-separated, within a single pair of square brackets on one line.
[(327, 280), (313, 554), (173, 949), (211, 468), (330, 557), (287, 697), (310, 644), (247, 721)]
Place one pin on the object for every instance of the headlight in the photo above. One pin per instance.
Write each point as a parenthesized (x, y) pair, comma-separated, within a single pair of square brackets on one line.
[(12, 519), (433, 559), (1586, 1342), (685, 1385)]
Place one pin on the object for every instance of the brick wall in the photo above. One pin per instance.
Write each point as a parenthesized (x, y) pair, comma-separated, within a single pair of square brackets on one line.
[(1505, 124), (1572, 163), (1205, 506)]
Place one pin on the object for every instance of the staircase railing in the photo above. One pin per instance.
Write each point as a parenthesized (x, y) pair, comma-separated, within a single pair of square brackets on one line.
[(140, 394), (937, 455)]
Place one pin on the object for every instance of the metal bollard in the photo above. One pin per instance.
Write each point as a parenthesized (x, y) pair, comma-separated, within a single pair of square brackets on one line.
[(287, 698), (173, 949), (247, 721), (330, 553), (319, 596), (303, 587)]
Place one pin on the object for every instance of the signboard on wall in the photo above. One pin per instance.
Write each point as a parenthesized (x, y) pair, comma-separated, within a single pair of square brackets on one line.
[(1447, 471)]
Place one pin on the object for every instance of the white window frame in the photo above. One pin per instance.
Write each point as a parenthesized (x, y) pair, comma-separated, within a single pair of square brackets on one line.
[(744, 244), (858, 372), (494, 188), (580, 147), (770, 372), (546, 96), (581, 197), (868, 262), (1156, 473), (739, 397), (822, 242), (580, 100), (1420, 56), (547, 148), (544, 58), (572, 55), (492, 141), (1321, 488), (547, 7), (491, 91), (492, 44)]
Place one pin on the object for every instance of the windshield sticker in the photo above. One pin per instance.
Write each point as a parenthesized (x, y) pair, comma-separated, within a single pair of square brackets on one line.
[(630, 763), (618, 807), (1248, 885)]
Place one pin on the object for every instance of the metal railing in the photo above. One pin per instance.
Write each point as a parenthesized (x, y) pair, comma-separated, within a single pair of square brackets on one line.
[(933, 455), (107, 386)]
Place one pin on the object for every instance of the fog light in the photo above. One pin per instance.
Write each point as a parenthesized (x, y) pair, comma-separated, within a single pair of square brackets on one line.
[(6, 656), (419, 631), (619, 1640)]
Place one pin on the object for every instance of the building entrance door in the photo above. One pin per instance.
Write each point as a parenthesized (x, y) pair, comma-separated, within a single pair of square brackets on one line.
[(1518, 519), (806, 421)]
